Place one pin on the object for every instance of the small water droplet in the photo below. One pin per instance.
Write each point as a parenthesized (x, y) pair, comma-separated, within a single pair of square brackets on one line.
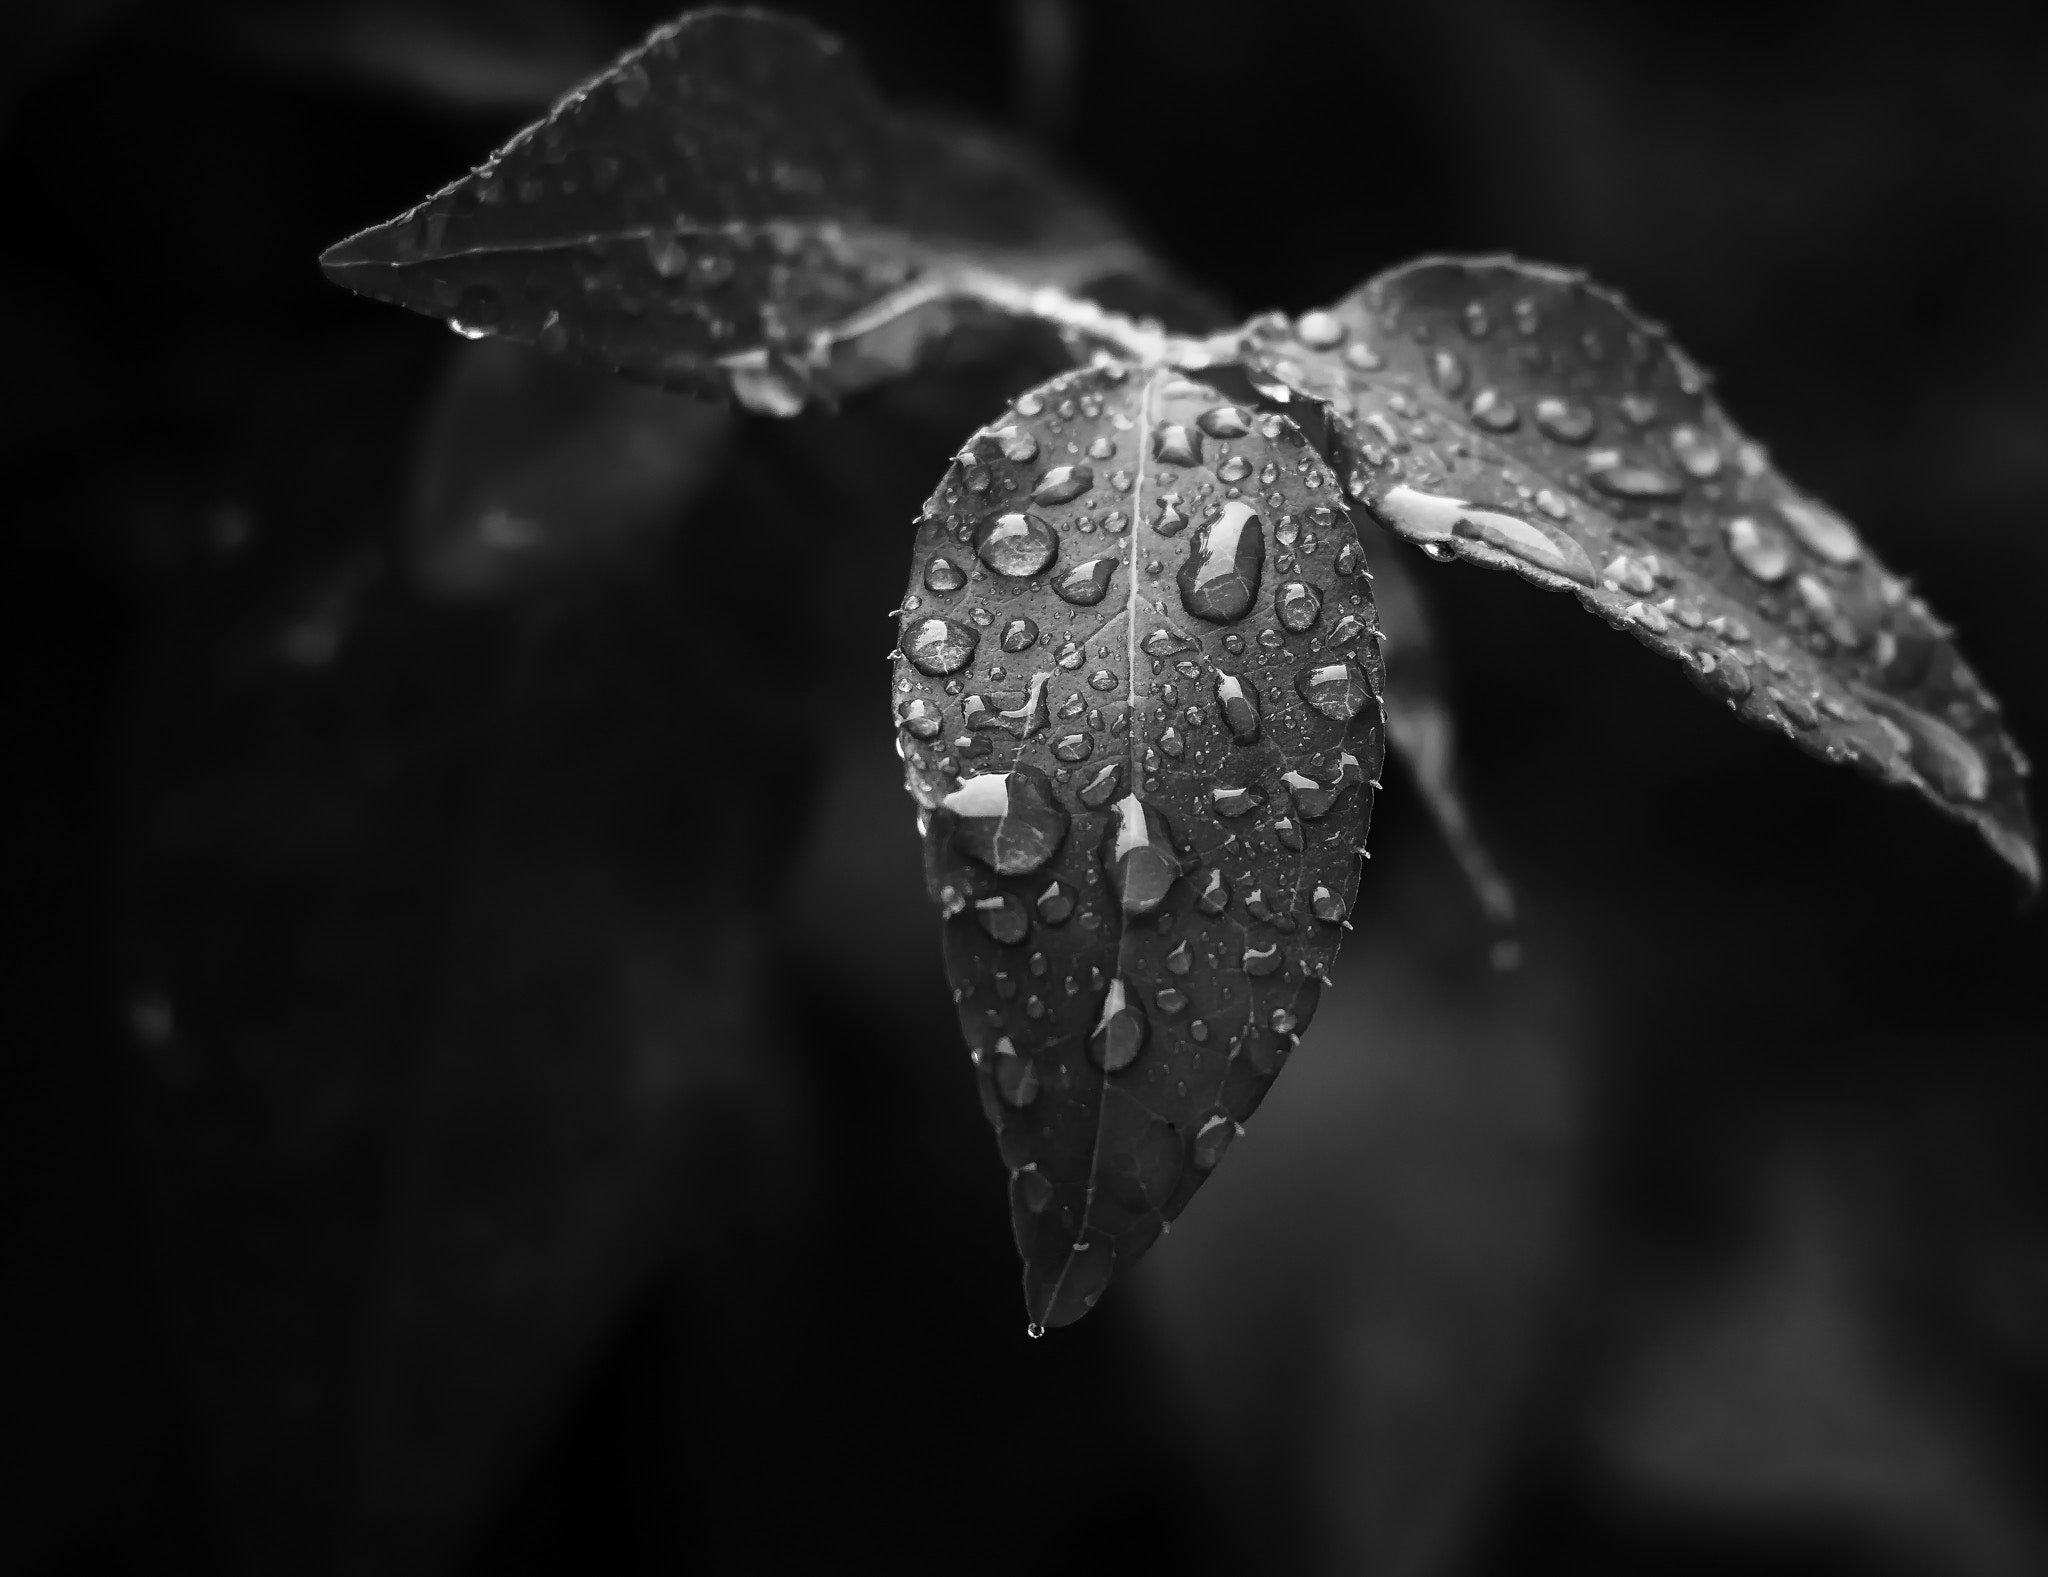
[(1698, 453), (1212, 892), (941, 574), (1350, 559), (1234, 800), (1174, 444), (1016, 1076), (1034, 1191), (1821, 531), (1138, 857), (1029, 403), (920, 718), (1493, 411), (1163, 642), (1327, 906), (1017, 545), (1063, 484), (1298, 605), (1102, 679), (1361, 357), (1288, 831), (1182, 958), (1616, 476), (1238, 702), (1087, 583), (1226, 421), (1055, 907), (1447, 371), (1103, 787), (1820, 603), (1234, 469), (1319, 330), (1069, 656), (1565, 420), (1073, 747), (1760, 548), (1346, 630), (1019, 635), (1339, 690), (1103, 448), (1263, 960), (1119, 1034), (1003, 917), (939, 646), (1211, 1140), (1170, 1000)]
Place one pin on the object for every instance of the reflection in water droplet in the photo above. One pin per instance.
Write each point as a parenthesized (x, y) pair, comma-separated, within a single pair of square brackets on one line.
[(1119, 1034), (1087, 584), (1009, 821), (1174, 444), (1564, 420), (1220, 578), (939, 646), (1339, 690), (1003, 917), (1824, 533), (1233, 801), (1017, 545), (1240, 708), (1137, 854), (1298, 605), (941, 574), (1019, 635), (1063, 484), (1171, 519), (1760, 548)]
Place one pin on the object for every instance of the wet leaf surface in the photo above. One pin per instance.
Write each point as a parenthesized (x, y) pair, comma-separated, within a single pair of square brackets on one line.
[(731, 208), (1517, 416), (1138, 699)]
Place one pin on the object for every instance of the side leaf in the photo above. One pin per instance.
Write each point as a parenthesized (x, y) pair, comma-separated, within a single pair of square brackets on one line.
[(731, 207), (1518, 416), (1138, 694)]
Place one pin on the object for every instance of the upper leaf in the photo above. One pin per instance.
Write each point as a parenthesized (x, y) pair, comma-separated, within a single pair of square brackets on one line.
[(733, 206), (1517, 416), (1138, 688)]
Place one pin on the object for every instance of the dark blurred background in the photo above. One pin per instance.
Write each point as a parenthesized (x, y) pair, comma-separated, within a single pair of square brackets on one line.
[(483, 1096)]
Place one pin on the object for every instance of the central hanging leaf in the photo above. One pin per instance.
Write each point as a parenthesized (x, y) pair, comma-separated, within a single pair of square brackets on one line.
[(1138, 699)]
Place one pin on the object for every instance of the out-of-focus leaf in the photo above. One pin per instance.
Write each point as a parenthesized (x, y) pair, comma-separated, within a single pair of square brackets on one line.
[(1423, 733), (731, 207), (1517, 416), (447, 971), (532, 467), (1138, 695)]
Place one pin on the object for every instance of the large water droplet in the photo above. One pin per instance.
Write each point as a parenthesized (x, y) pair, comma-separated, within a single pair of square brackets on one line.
[(1823, 532), (1119, 1034), (1009, 821), (1087, 584), (1565, 420), (1760, 548), (1174, 444), (1003, 917), (1298, 605), (1239, 704), (939, 646), (1137, 852), (1063, 484), (941, 574), (1339, 690), (1226, 421), (1017, 545), (1220, 579)]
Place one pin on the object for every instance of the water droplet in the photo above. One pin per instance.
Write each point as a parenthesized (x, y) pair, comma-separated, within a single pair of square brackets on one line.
[(1073, 747), (1029, 403), (941, 574), (1211, 1140), (1327, 906), (1063, 484), (1940, 754), (1447, 371), (1288, 831), (1491, 410), (1070, 655), (1174, 444), (1102, 679), (1823, 532), (1312, 798), (1263, 960), (920, 718), (1019, 635), (1346, 630), (1350, 559), (1234, 800), (1698, 453), (1361, 357), (1009, 821), (1017, 545), (1615, 476), (1163, 642), (1234, 469), (1018, 446), (1103, 448), (1016, 1076), (1103, 787), (1212, 892), (1119, 1034), (1137, 854), (1034, 1192), (1820, 603), (1630, 575), (1564, 420), (1170, 1000), (939, 646), (1226, 421), (1238, 703), (1087, 584), (1003, 917), (1171, 519), (1339, 690), (1220, 579), (1055, 907), (1760, 548), (1298, 605), (1319, 330), (1182, 958)]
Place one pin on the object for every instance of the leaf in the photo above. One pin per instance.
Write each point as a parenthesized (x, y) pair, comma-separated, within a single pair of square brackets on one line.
[(1138, 685), (732, 207), (1517, 416), (1423, 733)]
